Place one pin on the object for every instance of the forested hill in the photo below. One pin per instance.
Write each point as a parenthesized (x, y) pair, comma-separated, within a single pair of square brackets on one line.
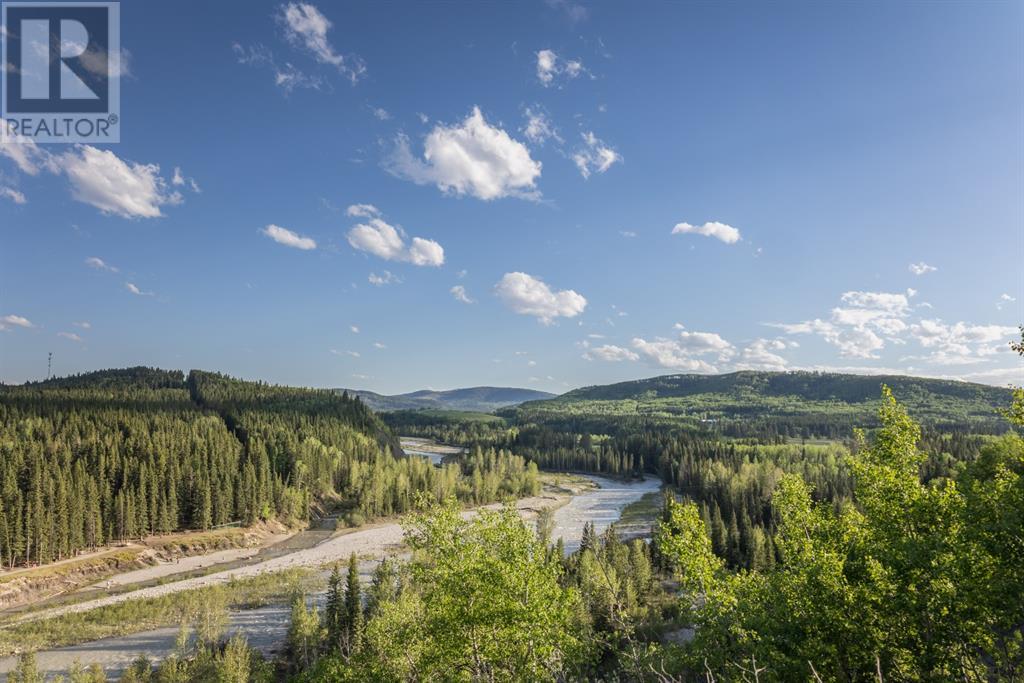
[(107, 456), (768, 396), (473, 399)]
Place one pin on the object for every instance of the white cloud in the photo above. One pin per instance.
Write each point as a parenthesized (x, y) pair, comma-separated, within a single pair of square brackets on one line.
[(353, 354), (920, 268), (528, 295), (100, 178), (12, 194), (288, 238), (179, 180), (719, 231), (288, 77), (25, 154), (866, 321), (459, 292), (15, 321), (611, 353), (627, 233), (1003, 300), (852, 342), (385, 278), (539, 128), (307, 27), (551, 68), (594, 156), (379, 345), (363, 211), (131, 287), (70, 335), (384, 240), (381, 114), (960, 343), (667, 353), (99, 264), (83, 324), (354, 328), (471, 158), (762, 354)]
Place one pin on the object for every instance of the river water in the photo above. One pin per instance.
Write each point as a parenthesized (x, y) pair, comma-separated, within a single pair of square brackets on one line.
[(266, 627)]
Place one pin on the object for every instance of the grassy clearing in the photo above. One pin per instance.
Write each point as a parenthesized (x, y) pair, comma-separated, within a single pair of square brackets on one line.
[(640, 514), (133, 616)]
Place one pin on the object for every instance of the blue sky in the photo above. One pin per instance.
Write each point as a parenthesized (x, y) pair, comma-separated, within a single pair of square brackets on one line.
[(544, 194)]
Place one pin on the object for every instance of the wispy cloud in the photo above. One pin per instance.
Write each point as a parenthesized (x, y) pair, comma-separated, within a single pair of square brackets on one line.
[(99, 264)]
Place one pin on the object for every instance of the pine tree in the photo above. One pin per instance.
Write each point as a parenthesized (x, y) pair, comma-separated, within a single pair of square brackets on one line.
[(334, 609), (353, 606)]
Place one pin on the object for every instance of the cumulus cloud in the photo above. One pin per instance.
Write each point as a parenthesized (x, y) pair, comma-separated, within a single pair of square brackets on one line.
[(960, 343), (103, 180), (99, 264), (289, 238), (920, 268), (386, 241), (459, 292), (70, 335), (12, 194), (668, 353), (471, 157), (552, 69), (1004, 299), (610, 353), (720, 231), (528, 295), (866, 321), (594, 156), (363, 211), (305, 26), (688, 351), (763, 354), (9, 321), (99, 178)]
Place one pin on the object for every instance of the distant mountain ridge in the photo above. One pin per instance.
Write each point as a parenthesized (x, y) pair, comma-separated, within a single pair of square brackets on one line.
[(476, 399)]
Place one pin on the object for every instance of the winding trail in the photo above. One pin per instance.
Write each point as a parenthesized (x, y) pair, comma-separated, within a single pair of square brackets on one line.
[(265, 627)]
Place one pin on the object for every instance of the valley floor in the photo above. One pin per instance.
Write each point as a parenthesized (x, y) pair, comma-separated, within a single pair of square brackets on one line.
[(577, 499)]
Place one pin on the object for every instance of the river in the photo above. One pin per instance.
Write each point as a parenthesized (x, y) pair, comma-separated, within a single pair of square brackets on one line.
[(266, 627)]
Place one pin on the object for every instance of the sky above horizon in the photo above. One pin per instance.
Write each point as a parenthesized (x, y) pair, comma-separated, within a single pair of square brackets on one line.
[(550, 194)]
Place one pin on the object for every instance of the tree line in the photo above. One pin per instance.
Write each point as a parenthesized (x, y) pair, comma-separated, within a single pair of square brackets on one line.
[(122, 454)]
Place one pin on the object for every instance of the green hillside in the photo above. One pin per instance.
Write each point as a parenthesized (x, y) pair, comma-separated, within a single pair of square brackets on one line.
[(768, 396)]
